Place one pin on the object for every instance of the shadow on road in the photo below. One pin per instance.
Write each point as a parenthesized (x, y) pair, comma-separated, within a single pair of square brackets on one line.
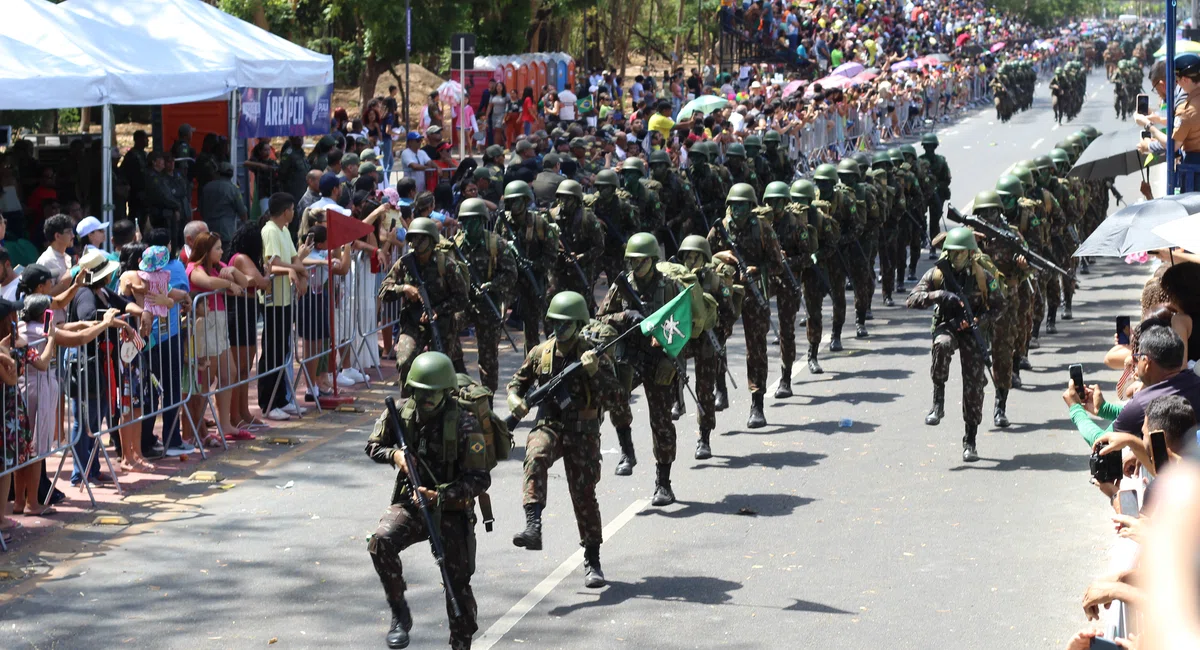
[(747, 505), (774, 460), (872, 373), (1037, 462), (816, 608), (699, 590)]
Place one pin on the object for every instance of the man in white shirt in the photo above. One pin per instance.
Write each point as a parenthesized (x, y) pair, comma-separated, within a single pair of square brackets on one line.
[(637, 90), (414, 161), (567, 112), (737, 119)]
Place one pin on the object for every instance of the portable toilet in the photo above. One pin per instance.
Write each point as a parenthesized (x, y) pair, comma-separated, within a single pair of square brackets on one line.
[(523, 77), (570, 73), (551, 72), (510, 75), (539, 74)]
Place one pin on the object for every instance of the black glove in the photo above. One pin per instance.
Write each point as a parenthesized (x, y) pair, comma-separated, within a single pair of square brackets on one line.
[(633, 317)]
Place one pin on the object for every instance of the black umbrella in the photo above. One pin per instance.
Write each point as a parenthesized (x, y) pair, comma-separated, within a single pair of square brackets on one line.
[(1110, 155), (1129, 230)]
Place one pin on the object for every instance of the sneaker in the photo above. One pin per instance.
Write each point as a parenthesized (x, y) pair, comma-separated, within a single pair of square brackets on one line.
[(279, 415), (358, 375), (293, 409), (175, 452), (345, 380), (187, 447)]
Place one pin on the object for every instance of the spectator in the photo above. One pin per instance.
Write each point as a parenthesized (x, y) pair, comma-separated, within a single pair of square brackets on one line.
[(496, 111), (282, 262), (1181, 283), (528, 111), (415, 161), (190, 233), (164, 347), (45, 192), (59, 231), (547, 181), (266, 172), (92, 233), (9, 280), (42, 397), (221, 204), (312, 194), (567, 111)]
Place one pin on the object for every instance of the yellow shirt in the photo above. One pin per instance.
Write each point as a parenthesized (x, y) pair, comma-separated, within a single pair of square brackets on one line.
[(662, 124), (277, 242)]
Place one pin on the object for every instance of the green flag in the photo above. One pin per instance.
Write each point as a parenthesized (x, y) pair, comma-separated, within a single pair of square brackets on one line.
[(672, 323)]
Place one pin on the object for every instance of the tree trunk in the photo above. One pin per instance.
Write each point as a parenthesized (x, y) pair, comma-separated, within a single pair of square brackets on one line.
[(85, 119), (399, 75), (679, 36), (370, 76)]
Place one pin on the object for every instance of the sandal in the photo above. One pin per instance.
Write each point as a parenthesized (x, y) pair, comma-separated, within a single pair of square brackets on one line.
[(44, 512), (240, 434)]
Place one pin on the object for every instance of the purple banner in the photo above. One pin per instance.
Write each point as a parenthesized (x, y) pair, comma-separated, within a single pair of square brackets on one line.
[(281, 112)]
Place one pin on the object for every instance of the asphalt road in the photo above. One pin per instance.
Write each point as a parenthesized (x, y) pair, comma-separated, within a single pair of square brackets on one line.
[(807, 533)]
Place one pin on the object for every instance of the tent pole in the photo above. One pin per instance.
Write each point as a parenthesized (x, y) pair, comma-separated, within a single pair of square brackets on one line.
[(233, 122), (106, 180)]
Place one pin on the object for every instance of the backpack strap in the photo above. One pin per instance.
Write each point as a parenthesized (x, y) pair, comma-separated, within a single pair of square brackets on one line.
[(547, 359), (450, 436)]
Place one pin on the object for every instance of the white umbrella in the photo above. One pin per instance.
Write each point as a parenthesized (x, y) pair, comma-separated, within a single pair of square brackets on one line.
[(450, 92), (1184, 233)]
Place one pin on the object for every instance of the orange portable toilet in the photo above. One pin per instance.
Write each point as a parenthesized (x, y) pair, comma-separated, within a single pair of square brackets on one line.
[(510, 76), (523, 77), (571, 74), (540, 74)]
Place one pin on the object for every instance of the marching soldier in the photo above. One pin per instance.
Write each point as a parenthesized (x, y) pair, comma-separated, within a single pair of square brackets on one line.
[(681, 213), (1020, 212), (953, 331), (909, 235), (756, 161), (874, 215), (618, 218), (635, 189), (533, 240), (838, 203), (777, 159), (740, 169), (940, 175), (820, 277), (710, 189), (570, 432), (580, 242), (438, 274), (491, 261), (798, 242), (854, 220), (451, 455), (881, 166)]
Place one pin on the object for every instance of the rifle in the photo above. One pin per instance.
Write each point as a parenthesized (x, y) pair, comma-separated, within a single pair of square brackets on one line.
[(487, 298), (713, 340), (751, 283), (1008, 239), (636, 302), (950, 282), (524, 264), (414, 482), (585, 284), (555, 389), (410, 264), (925, 241)]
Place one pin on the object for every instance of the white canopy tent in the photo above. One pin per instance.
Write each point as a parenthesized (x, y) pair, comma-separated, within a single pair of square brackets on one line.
[(41, 67)]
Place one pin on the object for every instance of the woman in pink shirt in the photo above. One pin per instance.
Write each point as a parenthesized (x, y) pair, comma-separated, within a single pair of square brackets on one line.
[(528, 110)]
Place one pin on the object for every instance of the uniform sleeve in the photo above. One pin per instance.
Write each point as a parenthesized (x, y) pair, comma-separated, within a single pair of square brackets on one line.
[(458, 291), (473, 477), (389, 289), (995, 299), (612, 307), (549, 244), (919, 298), (523, 379), (595, 241), (504, 276), (382, 445)]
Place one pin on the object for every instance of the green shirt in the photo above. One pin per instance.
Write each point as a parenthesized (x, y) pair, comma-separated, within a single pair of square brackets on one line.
[(1089, 429)]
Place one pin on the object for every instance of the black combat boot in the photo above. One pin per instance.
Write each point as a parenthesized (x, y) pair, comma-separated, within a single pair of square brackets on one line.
[(888, 302), (785, 383), (677, 409), (912, 275), (1067, 310), (1051, 328), (999, 417), (1016, 379), (593, 575), (1083, 266), (1023, 363), (756, 420), (703, 449), (721, 395), (1034, 343), (835, 339), (900, 288), (663, 496), (970, 455), (869, 315), (628, 457), (530, 539), (397, 636), (803, 320), (775, 340), (814, 366), (939, 405), (860, 329)]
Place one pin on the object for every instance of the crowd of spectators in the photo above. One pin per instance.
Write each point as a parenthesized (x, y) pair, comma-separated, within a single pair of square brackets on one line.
[(1145, 463)]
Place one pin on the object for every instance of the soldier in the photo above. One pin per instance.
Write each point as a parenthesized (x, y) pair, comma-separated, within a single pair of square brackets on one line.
[(859, 203), (781, 167), (717, 280), (755, 242), (493, 159), (874, 215), (1020, 212), (940, 175), (1063, 233), (798, 242), (443, 282), (909, 235), (492, 262), (756, 161), (580, 242), (1012, 270), (839, 206), (680, 210), (709, 187), (819, 277), (952, 331), (740, 170), (571, 433), (644, 362), (448, 444), (533, 238), (1048, 214), (642, 195), (881, 166), (617, 216)]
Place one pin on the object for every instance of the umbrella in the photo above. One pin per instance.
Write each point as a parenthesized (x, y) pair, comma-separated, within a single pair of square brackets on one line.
[(996, 47), (962, 38), (1180, 48), (450, 92), (847, 70), (863, 77), (1184, 233), (834, 81), (1129, 230), (703, 104), (793, 87), (1110, 155), (971, 49), (904, 65), (940, 57)]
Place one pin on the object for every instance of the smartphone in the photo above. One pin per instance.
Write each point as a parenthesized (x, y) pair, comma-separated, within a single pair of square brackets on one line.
[(1123, 330), (1158, 450), (310, 239), (47, 318), (1143, 104), (1076, 371), (1102, 644), (1129, 502)]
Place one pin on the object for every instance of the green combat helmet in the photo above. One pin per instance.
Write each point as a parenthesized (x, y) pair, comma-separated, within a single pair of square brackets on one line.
[(772, 136), (1043, 162), (658, 157), (642, 244), (567, 306), (1010, 189), (696, 243), (987, 199), (472, 208), (863, 160), (1090, 132), (896, 155), (742, 193), (803, 191), (568, 188), (753, 144), (776, 190), (960, 239), (908, 150), (517, 189), (606, 178), (632, 164), (432, 371), (1022, 172), (847, 167), (422, 226), (929, 141), (825, 172), (1062, 160), (698, 153), (881, 160), (736, 150)]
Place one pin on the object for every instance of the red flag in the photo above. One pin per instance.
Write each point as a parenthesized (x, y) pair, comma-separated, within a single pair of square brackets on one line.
[(341, 229)]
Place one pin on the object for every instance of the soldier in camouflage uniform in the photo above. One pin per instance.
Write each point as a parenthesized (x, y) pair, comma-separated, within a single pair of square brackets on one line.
[(881, 167), (756, 161), (1062, 231), (681, 212), (798, 242), (1020, 212), (642, 194), (923, 171), (706, 178), (875, 214), (446, 287), (581, 240), (642, 361), (908, 235), (493, 264), (533, 239), (618, 218), (756, 242), (717, 280), (952, 332), (1013, 272), (861, 203), (740, 169), (777, 159), (817, 277), (940, 175), (837, 203), (1046, 213), (449, 446), (571, 433)]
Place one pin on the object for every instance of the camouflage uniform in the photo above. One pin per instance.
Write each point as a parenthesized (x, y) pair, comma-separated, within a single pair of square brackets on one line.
[(572, 434), (908, 235), (712, 191), (940, 177), (743, 172), (886, 242), (583, 235), (647, 208), (1056, 249), (536, 237), (798, 239), (777, 160), (448, 291), (616, 215), (717, 280), (1028, 297), (461, 475), (865, 248), (493, 262), (679, 207), (829, 234), (845, 209)]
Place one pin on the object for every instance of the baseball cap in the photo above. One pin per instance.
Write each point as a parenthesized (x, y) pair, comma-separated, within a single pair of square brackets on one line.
[(349, 159), (89, 225), (34, 275), (413, 135), (367, 168), (328, 182), (433, 129)]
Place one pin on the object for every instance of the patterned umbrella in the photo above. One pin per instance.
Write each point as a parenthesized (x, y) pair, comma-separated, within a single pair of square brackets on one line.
[(847, 70), (450, 92)]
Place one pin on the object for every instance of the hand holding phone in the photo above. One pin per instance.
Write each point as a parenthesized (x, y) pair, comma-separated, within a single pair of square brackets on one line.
[(1123, 330), (1076, 371), (1143, 104), (1158, 450), (1128, 502)]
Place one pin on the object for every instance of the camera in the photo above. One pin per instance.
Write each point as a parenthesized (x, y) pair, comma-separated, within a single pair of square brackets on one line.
[(1106, 468)]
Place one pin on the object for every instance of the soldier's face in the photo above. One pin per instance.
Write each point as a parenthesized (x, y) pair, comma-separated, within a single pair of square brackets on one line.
[(429, 401), (771, 146), (421, 243), (630, 179), (474, 228), (565, 330), (739, 210), (607, 191), (777, 204), (694, 259), (959, 259), (516, 204), (639, 266), (659, 170), (569, 203)]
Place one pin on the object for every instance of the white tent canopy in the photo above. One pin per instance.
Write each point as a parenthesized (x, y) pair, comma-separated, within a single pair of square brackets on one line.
[(41, 67)]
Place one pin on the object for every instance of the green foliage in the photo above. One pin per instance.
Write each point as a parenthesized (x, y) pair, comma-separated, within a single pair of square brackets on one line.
[(68, 119), (281, 18)]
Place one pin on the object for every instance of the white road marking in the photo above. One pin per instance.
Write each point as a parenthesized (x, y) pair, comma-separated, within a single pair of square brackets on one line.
[(531, 599), (1035, 144), (1055, 127)]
